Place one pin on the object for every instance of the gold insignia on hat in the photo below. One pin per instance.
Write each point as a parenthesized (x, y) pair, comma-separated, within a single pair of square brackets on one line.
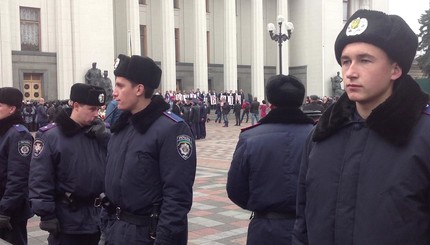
[(116, 63), (357, 26), (101, 98)]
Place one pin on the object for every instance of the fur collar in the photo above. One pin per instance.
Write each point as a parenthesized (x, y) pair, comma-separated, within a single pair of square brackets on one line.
[(286, 115), (142, 120), (66, 124), (393, 120), (8, 122)]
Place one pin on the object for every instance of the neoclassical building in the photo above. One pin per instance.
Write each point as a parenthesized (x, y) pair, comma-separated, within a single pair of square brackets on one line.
[(48, 45)]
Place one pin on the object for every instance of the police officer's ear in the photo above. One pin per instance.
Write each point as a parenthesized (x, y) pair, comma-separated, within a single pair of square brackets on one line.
[(396, 71), (140, 89)]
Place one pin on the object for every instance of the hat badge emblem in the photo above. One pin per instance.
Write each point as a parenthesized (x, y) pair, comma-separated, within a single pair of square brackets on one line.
[(116, 63), (101, 98), (357, 26)]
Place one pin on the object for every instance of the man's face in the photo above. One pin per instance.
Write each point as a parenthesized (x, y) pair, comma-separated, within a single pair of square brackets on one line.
[(368, 74), (125, 93), (85, 114), (6, 110)]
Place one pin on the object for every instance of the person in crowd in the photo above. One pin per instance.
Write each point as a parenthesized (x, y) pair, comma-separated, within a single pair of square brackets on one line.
[(364, 177), (41, 114), (263, 175), (218, 112), (15, 155), (203, 118), (263, 109), (151, 163), (254, 109), (246, 106), (313, 105), (236, 110), (67, 169), (112, 112), (225, 110)]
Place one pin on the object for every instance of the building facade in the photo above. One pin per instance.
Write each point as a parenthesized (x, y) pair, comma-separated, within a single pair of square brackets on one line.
[(48, 45)]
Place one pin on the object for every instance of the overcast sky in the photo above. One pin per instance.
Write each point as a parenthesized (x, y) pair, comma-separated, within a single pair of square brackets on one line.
[(410, 11)]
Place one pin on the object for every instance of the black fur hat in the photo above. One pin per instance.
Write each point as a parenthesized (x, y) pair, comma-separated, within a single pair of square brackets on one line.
[(88, 94), (388, 32), (138, 69), (11, 96), (285, 91)]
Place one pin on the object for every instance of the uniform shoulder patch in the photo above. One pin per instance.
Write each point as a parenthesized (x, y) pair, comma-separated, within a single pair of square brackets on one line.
[(249, 127), (47, 127), (24, 147), (184, 146), (173, 116), (37, 147), (20, 128), (427, 110)]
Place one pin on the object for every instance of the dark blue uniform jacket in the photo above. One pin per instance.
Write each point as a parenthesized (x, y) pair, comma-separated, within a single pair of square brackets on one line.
[(151, 160), (67, 160), (264, 171), (15, 155)]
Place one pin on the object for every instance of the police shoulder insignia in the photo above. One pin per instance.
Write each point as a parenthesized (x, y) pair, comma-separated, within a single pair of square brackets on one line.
[(249, 127), (356, 26), (184, 146), (37, 147), (20, 128), (173, 116), (47, 127), (24, 147)]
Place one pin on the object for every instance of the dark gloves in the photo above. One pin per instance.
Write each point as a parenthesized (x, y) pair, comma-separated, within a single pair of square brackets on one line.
[(51, 225), (5, 222), (97, 129)]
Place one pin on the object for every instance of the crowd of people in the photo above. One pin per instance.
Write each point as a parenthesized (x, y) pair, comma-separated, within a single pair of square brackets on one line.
[(360, 175)]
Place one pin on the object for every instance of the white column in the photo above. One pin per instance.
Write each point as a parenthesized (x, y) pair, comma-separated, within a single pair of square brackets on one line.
[(6, 79), (200, 43), (65, 78), (257, 59), (168, 63), (283, 10), (230, 50), (133, 28)]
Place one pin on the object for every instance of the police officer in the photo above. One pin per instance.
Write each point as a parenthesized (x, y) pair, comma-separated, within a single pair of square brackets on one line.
[(67, 169), (263, 173), (151, 161), (15, 156)]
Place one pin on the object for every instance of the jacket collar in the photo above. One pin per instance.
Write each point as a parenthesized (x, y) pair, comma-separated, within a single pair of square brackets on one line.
[(142, 120), (286, 115), (8, 122), (66, 124), (393, 120)]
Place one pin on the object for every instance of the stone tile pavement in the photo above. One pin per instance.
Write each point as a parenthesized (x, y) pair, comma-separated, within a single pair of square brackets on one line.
[(214, 219)]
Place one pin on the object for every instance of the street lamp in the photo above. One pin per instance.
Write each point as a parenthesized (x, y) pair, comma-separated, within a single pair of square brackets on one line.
[(280, 37)]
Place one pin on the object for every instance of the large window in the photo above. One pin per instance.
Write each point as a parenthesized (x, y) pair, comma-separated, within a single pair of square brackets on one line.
[(143, 41), (345, 10), (177, 47), (30, 28), (207, 6), (142, 2), (176, 4), (208, 46)]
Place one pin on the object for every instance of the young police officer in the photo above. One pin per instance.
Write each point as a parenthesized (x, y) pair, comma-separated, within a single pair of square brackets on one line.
[(151, 161), (67, 169), (15, 156), (365, 175), (265, 166)]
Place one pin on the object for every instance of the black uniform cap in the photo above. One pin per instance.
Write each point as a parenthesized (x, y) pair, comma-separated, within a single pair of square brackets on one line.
[(88, 94), (138, 69), (285, 91), (388, 32), (11, 96)]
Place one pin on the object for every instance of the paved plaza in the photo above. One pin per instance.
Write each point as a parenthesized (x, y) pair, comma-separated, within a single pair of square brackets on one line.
[(214, 219)]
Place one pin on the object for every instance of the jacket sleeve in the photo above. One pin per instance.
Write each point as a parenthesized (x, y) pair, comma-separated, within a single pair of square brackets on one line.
[(299, 233), (177, 160), (42, 177), (238, 176), (18, 164)]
